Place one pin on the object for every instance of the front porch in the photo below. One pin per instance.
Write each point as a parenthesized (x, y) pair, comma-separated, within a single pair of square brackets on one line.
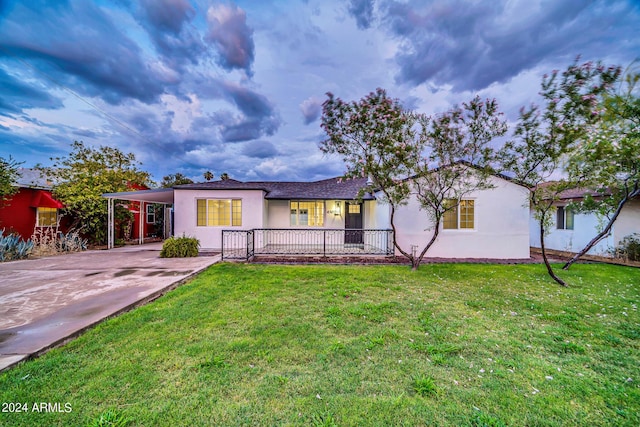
[(245, 244)]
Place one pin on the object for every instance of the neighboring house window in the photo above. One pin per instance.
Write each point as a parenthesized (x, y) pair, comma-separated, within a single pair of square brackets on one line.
[(219, 212), (460, 216), (47, 217), (151, 214), (564, 218), (310, 213)]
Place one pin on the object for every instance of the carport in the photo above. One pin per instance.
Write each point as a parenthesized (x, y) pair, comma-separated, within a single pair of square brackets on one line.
[(163, 196)]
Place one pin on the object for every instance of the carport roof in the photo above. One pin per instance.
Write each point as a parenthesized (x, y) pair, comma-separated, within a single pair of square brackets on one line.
[(159, 195)]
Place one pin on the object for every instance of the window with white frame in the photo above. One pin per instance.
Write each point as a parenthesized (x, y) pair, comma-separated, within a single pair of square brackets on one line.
[(47, 217), (219, 212), (564, 218), (151, 214), (459, 215), (307, 213)]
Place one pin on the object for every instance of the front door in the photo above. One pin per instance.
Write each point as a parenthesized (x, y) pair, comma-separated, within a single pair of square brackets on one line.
[(353, 233)]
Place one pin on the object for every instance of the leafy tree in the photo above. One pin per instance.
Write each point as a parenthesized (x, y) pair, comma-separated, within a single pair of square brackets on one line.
[(224, 176), (8, 177), (84, 175), (610, 156), (208, 176), (171, 180), (402, 152), (545, 136), (376, 139), (458, 160)]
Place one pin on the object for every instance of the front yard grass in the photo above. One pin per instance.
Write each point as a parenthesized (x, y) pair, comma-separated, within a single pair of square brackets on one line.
[(450, 344)]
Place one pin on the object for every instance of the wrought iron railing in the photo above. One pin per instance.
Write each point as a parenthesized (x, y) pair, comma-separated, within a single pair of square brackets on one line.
[(244, 244), (237, 244)]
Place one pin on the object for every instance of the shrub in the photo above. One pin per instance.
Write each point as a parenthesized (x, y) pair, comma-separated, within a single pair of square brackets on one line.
[(629, 248), (13, 247), (49, 241), (180, 247)]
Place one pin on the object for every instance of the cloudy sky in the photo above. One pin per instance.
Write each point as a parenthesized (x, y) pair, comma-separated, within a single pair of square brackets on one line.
[(237, 87)]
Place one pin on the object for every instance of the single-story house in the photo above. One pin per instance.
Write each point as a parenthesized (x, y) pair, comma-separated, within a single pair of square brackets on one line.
[(488, 224), (571, 231), (31, 207)]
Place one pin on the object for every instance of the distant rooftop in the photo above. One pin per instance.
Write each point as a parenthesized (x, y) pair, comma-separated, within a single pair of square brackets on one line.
[(577, 193), (32, 178), (326, 189)]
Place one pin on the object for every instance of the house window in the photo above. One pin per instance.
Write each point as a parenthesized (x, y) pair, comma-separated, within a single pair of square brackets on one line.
[(459, 215), (564, 218), (309, 213), (219, 212), (354, 208), (151, 214), (47, 217)]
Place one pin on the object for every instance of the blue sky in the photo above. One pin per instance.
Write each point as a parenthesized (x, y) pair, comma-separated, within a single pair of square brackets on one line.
[(237, 87)]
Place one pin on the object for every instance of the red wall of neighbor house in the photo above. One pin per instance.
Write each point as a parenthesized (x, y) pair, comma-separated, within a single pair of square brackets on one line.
[(17, 215), (148, 229), (138, 210)]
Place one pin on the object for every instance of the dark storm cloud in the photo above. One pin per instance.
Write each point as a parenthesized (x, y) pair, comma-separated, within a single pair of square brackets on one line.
[(258, 116), (30, 149), (159, 137), (311, 110), (78, 45), (231, 36), (17, 96), (472, 45), (167, 22), (362, 11), (260, 149)]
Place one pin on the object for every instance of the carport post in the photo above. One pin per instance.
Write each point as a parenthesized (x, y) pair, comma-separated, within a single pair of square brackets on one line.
[(110, 225), (141, 221)]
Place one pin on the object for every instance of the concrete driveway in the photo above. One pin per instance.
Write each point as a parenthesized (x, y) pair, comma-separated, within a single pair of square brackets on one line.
[(45, 302)]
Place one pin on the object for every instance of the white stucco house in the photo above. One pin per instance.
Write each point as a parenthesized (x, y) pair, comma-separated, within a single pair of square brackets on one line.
[(572, 231), (324, 217)]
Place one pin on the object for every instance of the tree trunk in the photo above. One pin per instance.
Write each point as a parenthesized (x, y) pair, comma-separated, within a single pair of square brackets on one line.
[(410, 257), (544, 256), (426, 248)]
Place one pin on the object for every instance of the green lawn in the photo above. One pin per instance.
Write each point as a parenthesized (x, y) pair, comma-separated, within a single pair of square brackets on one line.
[(450, 344)]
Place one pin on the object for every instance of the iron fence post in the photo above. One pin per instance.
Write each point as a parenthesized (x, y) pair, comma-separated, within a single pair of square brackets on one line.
[(324, 243)]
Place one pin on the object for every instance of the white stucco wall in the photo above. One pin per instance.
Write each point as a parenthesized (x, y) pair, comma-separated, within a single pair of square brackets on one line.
[(585, 228), (185, 216), (501, 226), (628, 222)]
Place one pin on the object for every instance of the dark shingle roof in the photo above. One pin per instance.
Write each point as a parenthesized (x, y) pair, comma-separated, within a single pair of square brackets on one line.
[(327, 189)]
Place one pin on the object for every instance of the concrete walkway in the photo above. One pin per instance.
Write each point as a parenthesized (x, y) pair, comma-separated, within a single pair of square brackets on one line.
[(45, 302)]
